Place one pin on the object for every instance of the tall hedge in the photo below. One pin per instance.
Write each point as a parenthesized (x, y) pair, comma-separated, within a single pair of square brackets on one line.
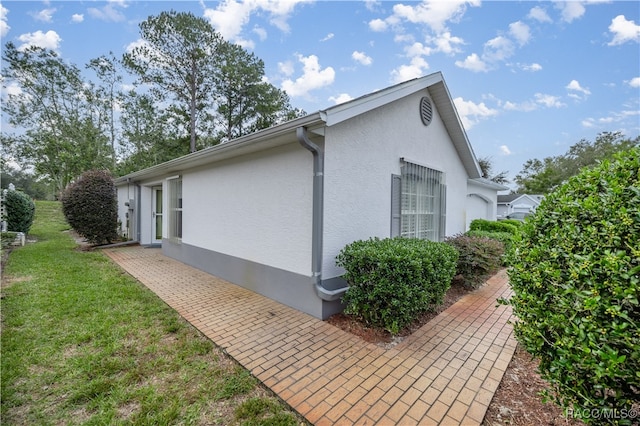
[(492, 226), (392, 281), (90, 206), (575, 272), (20, 209)]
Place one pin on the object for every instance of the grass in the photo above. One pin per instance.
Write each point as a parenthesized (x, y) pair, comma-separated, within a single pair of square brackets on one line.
[(85, 343)]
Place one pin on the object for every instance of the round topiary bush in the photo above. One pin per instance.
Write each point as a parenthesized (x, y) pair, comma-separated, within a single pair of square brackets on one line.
[(393, 280), (575, 273), (90, 206), (20, 209)]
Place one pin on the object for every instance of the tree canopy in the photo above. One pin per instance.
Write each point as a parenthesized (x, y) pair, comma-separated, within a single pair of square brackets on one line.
[(192, 89), (543, 176), (486, 166)]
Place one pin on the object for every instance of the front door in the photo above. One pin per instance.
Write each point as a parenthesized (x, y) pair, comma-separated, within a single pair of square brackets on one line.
[(156, 210)]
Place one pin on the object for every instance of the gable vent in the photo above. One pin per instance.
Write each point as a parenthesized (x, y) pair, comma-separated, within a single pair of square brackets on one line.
[(426, 111)]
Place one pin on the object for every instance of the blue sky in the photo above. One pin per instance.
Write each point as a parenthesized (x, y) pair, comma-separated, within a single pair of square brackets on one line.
[(529, 79)]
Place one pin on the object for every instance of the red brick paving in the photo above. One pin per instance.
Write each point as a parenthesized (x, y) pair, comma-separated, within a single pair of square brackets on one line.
[(444, 373)]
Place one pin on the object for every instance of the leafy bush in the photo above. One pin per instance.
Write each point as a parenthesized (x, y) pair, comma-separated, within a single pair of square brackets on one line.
[(90, 206), (492, 226), (515, 222), (575, 272), (19, 210), (504, 237), (392, 281), (478, 257), (7, 238)]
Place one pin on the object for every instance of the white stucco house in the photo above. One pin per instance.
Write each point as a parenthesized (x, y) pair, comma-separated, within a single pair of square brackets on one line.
[(517, 203), (271, 210)]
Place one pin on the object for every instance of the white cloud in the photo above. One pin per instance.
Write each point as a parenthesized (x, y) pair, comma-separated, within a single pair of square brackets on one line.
[(49, 40), (446, 43), (313, 77), (531, 67), (472, 113), (617, 118), (372, 5), (231, 16), (570, 10), (473, 63), (539, 14), (109, 12), (417, 49), (505, 150), (520, 31), (623, 31), (328, 37), (361, 58), (523, 107), (377, 25), (434, 13), (286, 68), (341, 98), (12, 89), (134, 44), (539, 100), (548, 101), (635, 82), (4, 27), (45, 15), (77, 17), (498, 49), (576, 89), (408, 72), (261, 33)]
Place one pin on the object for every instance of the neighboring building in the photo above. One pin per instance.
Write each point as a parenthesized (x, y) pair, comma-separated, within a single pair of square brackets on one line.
[(271, 210), (518, 203)]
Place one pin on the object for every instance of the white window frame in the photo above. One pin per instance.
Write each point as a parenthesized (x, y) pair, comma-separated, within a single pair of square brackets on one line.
[(174, 223)]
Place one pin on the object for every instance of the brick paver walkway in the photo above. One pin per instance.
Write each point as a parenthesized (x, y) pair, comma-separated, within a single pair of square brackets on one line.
[(445, 373)]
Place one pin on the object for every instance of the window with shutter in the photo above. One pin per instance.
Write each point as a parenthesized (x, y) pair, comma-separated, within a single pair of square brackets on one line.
[(418, 203)]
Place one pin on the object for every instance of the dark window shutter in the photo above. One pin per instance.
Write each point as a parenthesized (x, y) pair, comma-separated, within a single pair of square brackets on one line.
[(396, 212)]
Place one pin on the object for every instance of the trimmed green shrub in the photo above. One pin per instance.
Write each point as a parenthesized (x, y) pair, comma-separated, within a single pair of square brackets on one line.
[(492, 226), (392, 281), (504, 237), (90, 206), (575, 273), (478, 258), (19, 208), (515, 222)]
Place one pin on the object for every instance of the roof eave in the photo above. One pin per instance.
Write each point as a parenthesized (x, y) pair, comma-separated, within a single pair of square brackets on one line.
[(263, 139), (486, 183)]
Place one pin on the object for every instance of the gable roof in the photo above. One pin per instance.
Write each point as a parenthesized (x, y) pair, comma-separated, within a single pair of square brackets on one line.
[(510, 198), (316, 122)]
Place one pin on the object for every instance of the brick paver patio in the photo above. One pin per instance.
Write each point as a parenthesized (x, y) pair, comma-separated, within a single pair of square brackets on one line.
[(445, 373)]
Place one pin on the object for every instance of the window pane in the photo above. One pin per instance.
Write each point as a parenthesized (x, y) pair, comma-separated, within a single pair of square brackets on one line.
[(422, 202), (175, 208)]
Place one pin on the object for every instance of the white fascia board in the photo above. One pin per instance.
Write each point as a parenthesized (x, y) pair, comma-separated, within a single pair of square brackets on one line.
[(363, 104), (449, 114), (486, 183)]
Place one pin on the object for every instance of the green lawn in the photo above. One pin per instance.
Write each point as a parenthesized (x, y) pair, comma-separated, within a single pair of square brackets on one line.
[(85, 343)]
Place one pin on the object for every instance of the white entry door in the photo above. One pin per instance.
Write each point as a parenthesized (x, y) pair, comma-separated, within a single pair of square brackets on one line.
[(156, 213)]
